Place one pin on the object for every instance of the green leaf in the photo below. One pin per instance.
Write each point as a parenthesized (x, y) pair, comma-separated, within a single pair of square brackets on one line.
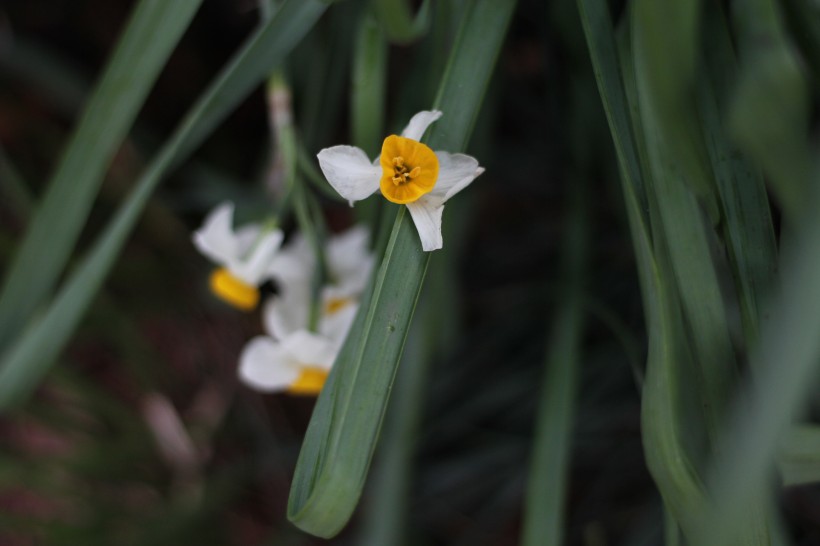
[(771, 110), (25, 362), (367, 100), (743, 469), (799, 458), (367, 93), (343, 432), (152, 32), (390, 483), (666, 453), (604, 55), (665, 43), (325, 59), (397, 19), (747, 225), (804, 19), (544, 507), (678, 222)]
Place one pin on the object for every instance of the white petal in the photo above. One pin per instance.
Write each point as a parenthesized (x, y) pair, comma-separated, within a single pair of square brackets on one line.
[(253, 269), (246, 236), (265, 365), (286, 267), (310, 349), (348, 247), (286, 313), (336, 325), (350, 172), (455, 172), (215, 238), (426, 215), (419, 123), (349, 260), (294, 263)]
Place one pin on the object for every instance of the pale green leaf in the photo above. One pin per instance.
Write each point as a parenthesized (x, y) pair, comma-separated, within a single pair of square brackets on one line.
[(799, 457), (345, 426), (397, 20)]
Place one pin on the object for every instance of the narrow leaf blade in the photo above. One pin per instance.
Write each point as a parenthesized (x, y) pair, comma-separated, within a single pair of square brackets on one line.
[(342, 435)]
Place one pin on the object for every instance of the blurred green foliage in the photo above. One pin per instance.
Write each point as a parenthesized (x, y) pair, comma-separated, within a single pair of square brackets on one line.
[(618, 343)]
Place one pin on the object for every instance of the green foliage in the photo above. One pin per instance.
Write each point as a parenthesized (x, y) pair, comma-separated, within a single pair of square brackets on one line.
[(676, 234), (345, 426)]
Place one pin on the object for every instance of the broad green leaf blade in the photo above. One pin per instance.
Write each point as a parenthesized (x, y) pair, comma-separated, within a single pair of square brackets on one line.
[(667, 395), (368, 87), (747, 220), (25, 362), (771, 109), (744, 468), (680, 225), (666, 47), (342, 434), (544, 507), (667, 457), (603, 51), (328, 53), (662, 419), (367, 100), (804, 20), (391, 481), (152, 32), (666, 106), (343, 430), (799, 458), (397, 21)]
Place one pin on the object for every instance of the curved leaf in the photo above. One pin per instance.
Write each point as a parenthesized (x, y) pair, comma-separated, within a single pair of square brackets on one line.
[(343, 432)]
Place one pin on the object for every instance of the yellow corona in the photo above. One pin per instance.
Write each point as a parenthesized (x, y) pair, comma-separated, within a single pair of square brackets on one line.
[(409, 169)]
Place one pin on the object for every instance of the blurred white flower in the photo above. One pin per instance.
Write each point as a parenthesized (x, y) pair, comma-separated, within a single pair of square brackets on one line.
[(245, 256), (407, 172), (295, 360), (299, 363), (349, 263), (291, 358)]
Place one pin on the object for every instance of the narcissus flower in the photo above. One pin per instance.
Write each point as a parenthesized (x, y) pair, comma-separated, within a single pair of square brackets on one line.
[(407, 172), (292, 358), (348, 263), (244, 256), (298, 364), (297, 361)]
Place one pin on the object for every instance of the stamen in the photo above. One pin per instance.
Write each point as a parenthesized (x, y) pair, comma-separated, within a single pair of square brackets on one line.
[(400, 174)]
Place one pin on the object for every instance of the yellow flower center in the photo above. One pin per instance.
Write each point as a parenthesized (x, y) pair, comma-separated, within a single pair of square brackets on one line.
[(234, 291), (409, 169), (336, 304), (309, 382)]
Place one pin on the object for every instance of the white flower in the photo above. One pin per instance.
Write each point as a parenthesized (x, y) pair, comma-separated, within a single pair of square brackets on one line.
[(291, 358), (298, 364), (349, 264), (407, 172), (296, 361), (244, 255)]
